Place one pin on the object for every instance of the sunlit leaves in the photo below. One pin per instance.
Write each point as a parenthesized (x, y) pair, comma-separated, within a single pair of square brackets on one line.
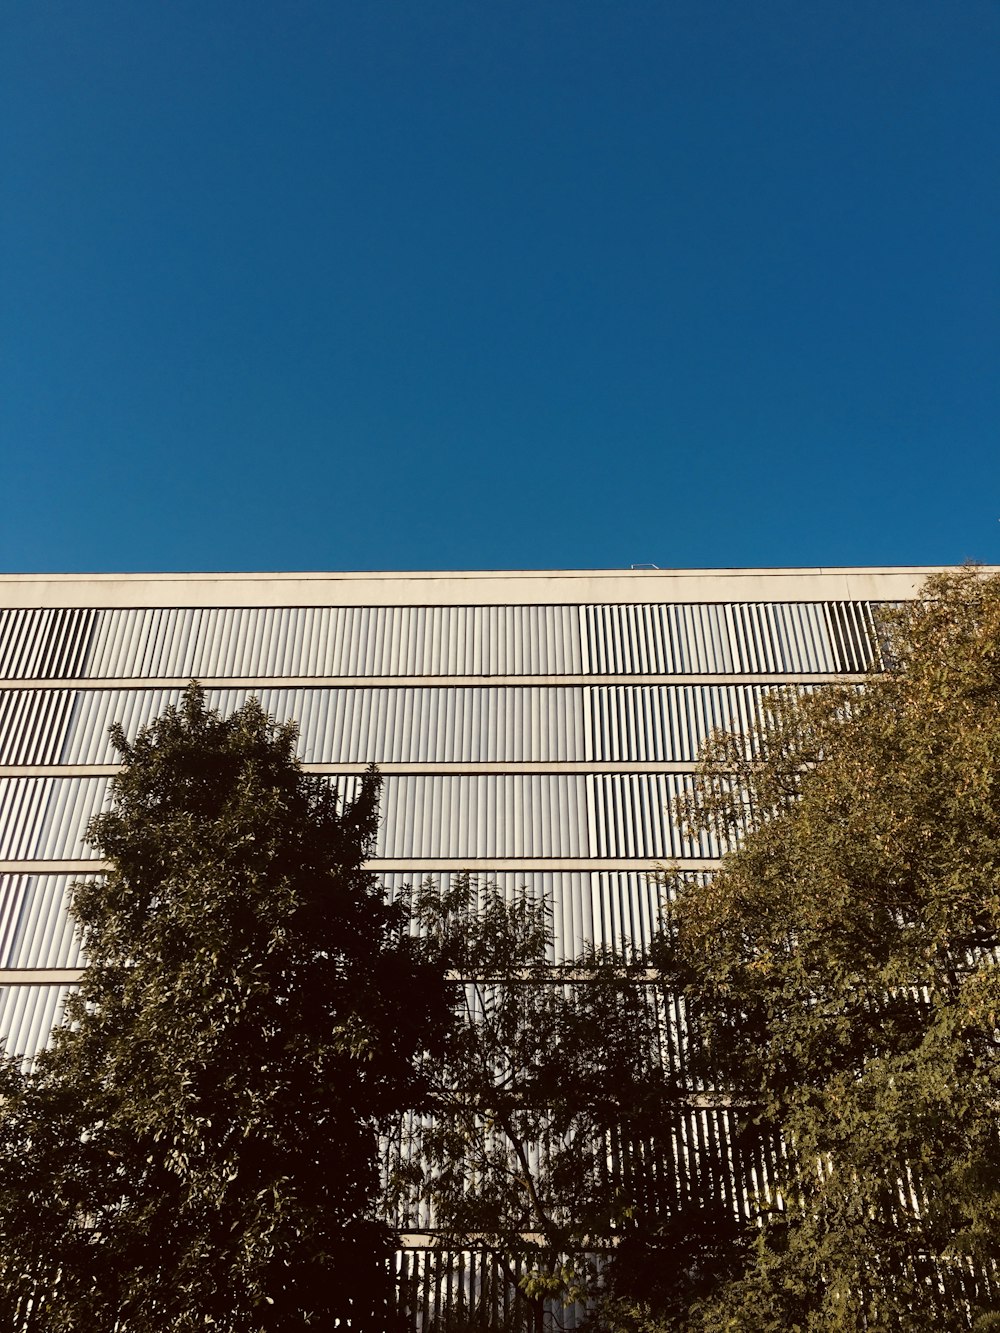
[(843, 964)]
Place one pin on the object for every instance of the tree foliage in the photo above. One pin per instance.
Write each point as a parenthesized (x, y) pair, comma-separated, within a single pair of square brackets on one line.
[(549, 1085), (198, 1147), (843, 968)]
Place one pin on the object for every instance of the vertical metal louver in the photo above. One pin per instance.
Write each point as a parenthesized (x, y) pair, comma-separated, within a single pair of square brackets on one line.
[(854, 634), (34, 725), (35, 927), (27, 1016), (633, 815), (45, 644), (46, 818)]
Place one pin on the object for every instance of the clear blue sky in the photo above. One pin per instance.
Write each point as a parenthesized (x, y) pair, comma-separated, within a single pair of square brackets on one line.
[(376, 284)]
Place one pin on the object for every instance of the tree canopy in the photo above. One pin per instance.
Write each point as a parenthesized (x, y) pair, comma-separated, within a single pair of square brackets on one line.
[(841, 970), (198, 1147)]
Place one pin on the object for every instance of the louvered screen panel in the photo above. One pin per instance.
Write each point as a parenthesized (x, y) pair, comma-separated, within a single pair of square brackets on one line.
[(334, 641), (655, 639), (669, 723), (625, 640), (403, 641), (35, 926), (423, 816), (50, 643), (700, 638), (94, 711), (429, 724), (27, 1017), (599, 909), (633, 815), (703, 1156), (775, 638), (854, 631), (589, 909), (432, 724), (688, 1164), (406, 724), (700, 1160), (34, 725), (659, 1022), (759, 638), (45, 818), (531, 815), (625, 909)]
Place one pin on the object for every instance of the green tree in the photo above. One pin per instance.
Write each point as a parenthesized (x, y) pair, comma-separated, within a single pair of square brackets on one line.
[(198, 1149), (533, 1151), (843, 970)]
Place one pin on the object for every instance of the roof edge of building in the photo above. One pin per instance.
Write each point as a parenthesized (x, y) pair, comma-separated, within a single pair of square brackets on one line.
[(469, 587)]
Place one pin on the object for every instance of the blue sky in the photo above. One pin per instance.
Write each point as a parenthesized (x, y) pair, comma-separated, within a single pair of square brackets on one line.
[(499, 283)]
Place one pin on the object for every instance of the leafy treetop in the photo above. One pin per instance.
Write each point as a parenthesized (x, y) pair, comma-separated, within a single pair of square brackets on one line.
[(842, 966)]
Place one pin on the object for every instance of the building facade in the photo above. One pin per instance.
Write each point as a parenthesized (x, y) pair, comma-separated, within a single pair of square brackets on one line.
[(533, 728)]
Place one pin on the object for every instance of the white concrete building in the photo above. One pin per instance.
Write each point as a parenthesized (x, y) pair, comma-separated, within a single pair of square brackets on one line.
[(531, 727)]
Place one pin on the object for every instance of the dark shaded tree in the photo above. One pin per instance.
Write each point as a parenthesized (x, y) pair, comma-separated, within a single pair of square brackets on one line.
[(659, 1272), (843, 967), (199, 1146)]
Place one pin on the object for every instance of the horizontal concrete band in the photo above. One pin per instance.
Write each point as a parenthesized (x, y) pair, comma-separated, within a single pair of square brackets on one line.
[(415, 769), (427, 1240), (425, 682), (480, 588), (68, 976), (40, 976), (424, 866)]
